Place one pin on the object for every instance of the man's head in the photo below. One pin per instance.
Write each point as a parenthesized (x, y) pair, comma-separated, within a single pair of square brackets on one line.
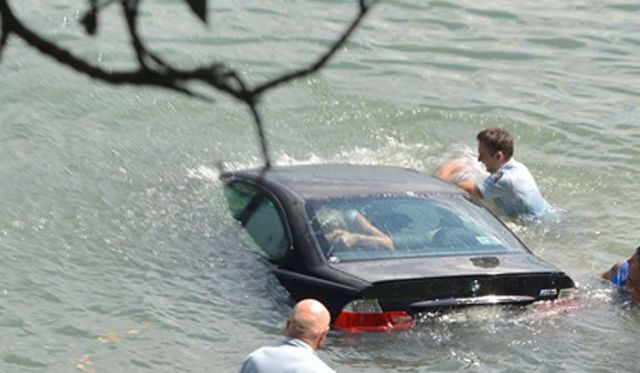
[(309, 322), (495, 148)]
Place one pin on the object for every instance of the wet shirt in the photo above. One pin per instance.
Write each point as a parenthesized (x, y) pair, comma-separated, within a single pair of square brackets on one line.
[(621, 276), (514, 190), (291, 356)]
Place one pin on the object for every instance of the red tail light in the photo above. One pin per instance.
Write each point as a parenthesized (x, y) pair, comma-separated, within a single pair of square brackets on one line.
[(367, 315)]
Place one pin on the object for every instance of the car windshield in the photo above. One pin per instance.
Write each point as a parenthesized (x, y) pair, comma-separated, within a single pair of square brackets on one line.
[(381, 227)]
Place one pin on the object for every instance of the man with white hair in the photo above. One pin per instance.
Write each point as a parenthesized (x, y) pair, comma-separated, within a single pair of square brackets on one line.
[(307, 329)]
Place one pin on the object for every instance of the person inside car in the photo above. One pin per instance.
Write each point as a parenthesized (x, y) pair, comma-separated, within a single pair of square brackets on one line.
[(351, 229)]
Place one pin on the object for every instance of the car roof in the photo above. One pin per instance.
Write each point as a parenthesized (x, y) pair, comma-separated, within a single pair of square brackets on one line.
[(340, 180)]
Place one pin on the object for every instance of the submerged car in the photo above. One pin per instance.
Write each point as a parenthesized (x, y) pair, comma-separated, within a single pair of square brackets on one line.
[(378, 245)]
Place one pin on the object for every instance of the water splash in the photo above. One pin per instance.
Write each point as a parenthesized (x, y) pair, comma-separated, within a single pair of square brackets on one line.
[(204, 173)]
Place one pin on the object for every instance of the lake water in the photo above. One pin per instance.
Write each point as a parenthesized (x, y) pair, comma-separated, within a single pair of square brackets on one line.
[(118, 253)]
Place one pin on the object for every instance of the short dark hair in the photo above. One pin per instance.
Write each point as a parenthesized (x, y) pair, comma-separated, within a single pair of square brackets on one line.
[(497, 139)]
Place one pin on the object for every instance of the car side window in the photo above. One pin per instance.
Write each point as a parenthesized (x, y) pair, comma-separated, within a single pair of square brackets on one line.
[(259, 216), (239, 195)]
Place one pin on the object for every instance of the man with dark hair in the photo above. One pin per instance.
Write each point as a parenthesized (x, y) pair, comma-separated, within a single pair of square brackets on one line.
[(626, 275), (307, 329), (510, 184)]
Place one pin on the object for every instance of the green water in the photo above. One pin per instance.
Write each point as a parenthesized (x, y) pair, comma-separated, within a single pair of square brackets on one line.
[(117, 248)]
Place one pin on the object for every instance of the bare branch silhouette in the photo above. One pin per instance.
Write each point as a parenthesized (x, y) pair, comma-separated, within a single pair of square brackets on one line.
[(321, 61), (152, 70)]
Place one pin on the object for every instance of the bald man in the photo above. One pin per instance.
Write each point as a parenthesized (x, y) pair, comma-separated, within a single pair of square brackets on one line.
[(307, 329)]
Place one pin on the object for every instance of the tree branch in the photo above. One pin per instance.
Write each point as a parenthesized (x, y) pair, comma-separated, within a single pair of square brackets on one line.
[(159, 73), (169, 79), (322, 60), (130, 10), (4, 38)]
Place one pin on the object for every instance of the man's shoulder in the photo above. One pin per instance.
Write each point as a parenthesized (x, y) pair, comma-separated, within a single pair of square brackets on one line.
[(515, 170), (264, 351), (293, 354), (513, 166), (289, 347)]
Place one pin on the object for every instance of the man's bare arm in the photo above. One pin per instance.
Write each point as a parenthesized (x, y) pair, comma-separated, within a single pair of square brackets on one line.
[(471, 187)]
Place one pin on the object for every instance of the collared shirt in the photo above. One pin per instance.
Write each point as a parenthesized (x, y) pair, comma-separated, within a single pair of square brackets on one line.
[(290, 356), (514, 190)]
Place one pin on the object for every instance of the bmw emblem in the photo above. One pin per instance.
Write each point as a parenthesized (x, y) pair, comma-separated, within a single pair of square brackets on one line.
[(475, 287)]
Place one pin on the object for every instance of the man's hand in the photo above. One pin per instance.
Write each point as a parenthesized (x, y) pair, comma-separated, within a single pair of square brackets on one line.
[(450, 170)]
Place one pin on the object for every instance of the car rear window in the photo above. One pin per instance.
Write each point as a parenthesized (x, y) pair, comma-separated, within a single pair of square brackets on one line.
[(379, 227)]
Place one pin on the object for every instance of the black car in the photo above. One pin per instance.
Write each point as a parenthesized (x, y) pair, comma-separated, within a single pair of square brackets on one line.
[(378, 244)]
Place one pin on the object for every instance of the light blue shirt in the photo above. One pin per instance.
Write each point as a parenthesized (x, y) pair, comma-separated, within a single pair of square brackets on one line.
[(515, 191), (290, 356)]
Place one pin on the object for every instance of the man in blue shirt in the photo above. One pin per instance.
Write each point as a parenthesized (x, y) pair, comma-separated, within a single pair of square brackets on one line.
[(510, 184), (626, 275), (307, 329)]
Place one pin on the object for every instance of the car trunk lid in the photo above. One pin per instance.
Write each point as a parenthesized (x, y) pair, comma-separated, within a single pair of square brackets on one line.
[(435, 267), (429, 283)]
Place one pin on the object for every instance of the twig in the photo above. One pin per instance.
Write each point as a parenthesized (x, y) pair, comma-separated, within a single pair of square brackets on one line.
[(161, 74)]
